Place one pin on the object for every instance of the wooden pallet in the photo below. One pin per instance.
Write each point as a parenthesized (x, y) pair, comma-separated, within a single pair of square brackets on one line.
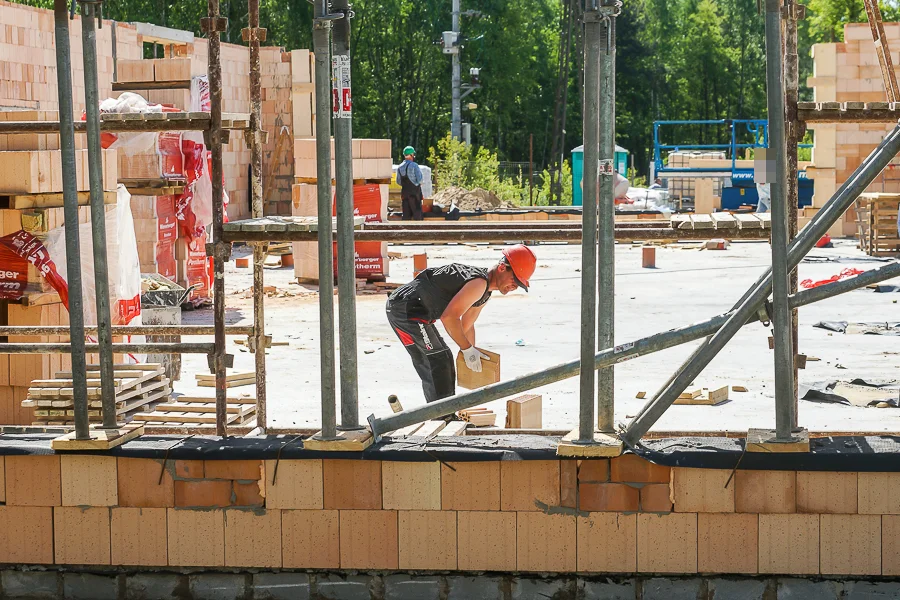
[(48, 200), (231, 379), (193, 413)]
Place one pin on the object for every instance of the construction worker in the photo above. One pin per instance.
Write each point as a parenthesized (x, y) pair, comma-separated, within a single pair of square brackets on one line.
[(455, 294), (409, 178)]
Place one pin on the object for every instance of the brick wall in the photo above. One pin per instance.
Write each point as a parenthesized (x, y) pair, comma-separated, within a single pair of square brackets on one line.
[(623, 515)]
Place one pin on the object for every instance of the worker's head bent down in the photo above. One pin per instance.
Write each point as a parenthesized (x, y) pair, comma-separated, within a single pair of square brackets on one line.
[(455, 295)]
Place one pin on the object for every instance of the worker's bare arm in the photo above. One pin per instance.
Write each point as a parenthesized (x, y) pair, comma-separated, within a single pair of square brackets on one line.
[(468, 322), (462, 302)]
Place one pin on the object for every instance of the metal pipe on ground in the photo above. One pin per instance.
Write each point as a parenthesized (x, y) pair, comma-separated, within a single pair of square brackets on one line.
[(628, 351), (89, 14), (76, 327), (591, 127), (343, 179), (321, 34), (815, 229)]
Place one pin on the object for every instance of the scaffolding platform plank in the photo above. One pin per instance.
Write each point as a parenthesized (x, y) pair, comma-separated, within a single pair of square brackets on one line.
[(848, 112), (282, 224), (100, 439), (49, 200)]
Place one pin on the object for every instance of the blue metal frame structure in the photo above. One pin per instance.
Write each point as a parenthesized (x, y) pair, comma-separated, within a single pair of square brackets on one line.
[(758, 128)]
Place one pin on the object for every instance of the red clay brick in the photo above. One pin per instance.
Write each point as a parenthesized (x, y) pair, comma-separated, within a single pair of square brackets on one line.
[(247, 494), (189, 469), (352, 484), (209, 494), (369, 539), (248, 470), (608, 497), (594, 471), (33, 481), (655, 498), (140, 486), (568, 483), (635, 469)]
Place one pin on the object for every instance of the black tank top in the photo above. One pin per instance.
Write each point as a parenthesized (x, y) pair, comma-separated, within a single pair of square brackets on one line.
[(427, 296)]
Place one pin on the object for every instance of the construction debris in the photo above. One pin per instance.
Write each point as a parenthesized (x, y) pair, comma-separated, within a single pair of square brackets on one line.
[(475, 200)]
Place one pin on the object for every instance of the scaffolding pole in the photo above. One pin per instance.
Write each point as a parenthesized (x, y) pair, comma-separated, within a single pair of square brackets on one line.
[(593, 45), (70, 210), (609, 356), (90, 11), (255, 35), (756, 295), (321, 33)]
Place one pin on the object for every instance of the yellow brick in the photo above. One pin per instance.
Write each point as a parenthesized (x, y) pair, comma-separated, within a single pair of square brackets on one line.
[(81, 535), (486, 540), (411, 485), (196, 538), (26, 534), (703, 490), (369, 539), (89, 480), (727, 543), (470, 486), (765, 491), (890, 545), (789, 544), (850, 544), (2, 481), (253, 539), (311, 539), (827, 492), (667, 543), (427, 540), (139, 536), (297, 484), (526, 484), (545, 542), (607, 542), (879, 493)]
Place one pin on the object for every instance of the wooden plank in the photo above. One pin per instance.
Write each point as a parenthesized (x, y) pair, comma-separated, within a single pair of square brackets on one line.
[(762, 440), (196, 407), (690, 394), (404, 431), (228, 399), (228, 377), (604, 445), (430, 428), (50, 200), (101, 439), (453, 428), (229, 384), (347, 441)]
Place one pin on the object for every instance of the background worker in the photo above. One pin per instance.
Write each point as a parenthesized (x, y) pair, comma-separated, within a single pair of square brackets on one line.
[(455, 294), (409, 177)]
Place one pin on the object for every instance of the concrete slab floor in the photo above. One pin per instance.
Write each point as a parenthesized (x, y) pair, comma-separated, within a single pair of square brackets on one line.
[(539, 329)]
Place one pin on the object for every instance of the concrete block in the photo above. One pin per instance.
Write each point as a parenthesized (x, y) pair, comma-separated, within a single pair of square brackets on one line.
[(244, 470), (81, 535), (338, 587), (297, 484), (486, 541), (656, 497), (404, 587), (196, 538), (525, 589), (472, 486), (850, 544), (606, 590), (607, 543), (789, 544), (608, 497), (369, 539), (33, 481), (667, 543), (152, 586), (871, 590), (545, 542), (310, 539), (139, 484), (593, 471), (30, 585), (281, 586), (744, 589), (217, 586), (827, 492), (703, 490), (878, 493), (526, 484), (427, 540), (85, 586), (671, 589), (352, 484), (26, 534), (253, 538), (411, 485), (804, 589), (474, 588), (727, 543), (138, 536), (765, 491), (89, 480)]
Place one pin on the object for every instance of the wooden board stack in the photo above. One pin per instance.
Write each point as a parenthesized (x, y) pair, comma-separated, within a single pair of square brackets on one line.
[(196, 412), (137, 388), (880, 232), (231, 379), (479, 417)]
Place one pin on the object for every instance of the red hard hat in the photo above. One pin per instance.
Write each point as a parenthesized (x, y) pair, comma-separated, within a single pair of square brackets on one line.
[(522, 261)]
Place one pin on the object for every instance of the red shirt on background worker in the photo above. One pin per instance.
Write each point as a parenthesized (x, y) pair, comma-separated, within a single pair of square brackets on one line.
[(455, 294)]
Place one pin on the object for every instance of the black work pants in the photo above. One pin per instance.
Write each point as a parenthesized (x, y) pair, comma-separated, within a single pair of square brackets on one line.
[(412, 207), (431, 357)]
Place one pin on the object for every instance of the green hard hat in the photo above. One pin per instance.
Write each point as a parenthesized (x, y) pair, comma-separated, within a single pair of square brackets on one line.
[(409, 150)]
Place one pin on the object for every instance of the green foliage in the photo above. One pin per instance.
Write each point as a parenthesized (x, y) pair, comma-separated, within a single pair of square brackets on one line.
[(635, 179), (542, 194)]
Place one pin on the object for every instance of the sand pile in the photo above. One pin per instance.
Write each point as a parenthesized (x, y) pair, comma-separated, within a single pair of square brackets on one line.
[(470, 201)]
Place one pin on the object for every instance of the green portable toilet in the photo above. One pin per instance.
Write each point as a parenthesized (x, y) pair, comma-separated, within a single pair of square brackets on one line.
[(621, 161)]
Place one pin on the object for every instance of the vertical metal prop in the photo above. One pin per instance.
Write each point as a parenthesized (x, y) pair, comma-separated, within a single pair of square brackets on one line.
[(70, 210), (593, 46), (606, 249), (256, 205), (321, 31), (343, 178), (213, 25), (784, 354), (456, 81), (89, 12)]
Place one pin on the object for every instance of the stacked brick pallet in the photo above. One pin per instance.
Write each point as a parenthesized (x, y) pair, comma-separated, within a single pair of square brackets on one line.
[(849, 72), (618, 516), (277, 114)]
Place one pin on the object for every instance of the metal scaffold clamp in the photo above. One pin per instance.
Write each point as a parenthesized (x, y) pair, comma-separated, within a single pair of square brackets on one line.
[(212, 25), (253, 34)]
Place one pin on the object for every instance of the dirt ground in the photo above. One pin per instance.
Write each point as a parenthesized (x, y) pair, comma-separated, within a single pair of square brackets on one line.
[(539, 329)]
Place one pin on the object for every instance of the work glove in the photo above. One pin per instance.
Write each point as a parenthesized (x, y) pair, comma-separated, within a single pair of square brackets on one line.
[(473, 358)]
